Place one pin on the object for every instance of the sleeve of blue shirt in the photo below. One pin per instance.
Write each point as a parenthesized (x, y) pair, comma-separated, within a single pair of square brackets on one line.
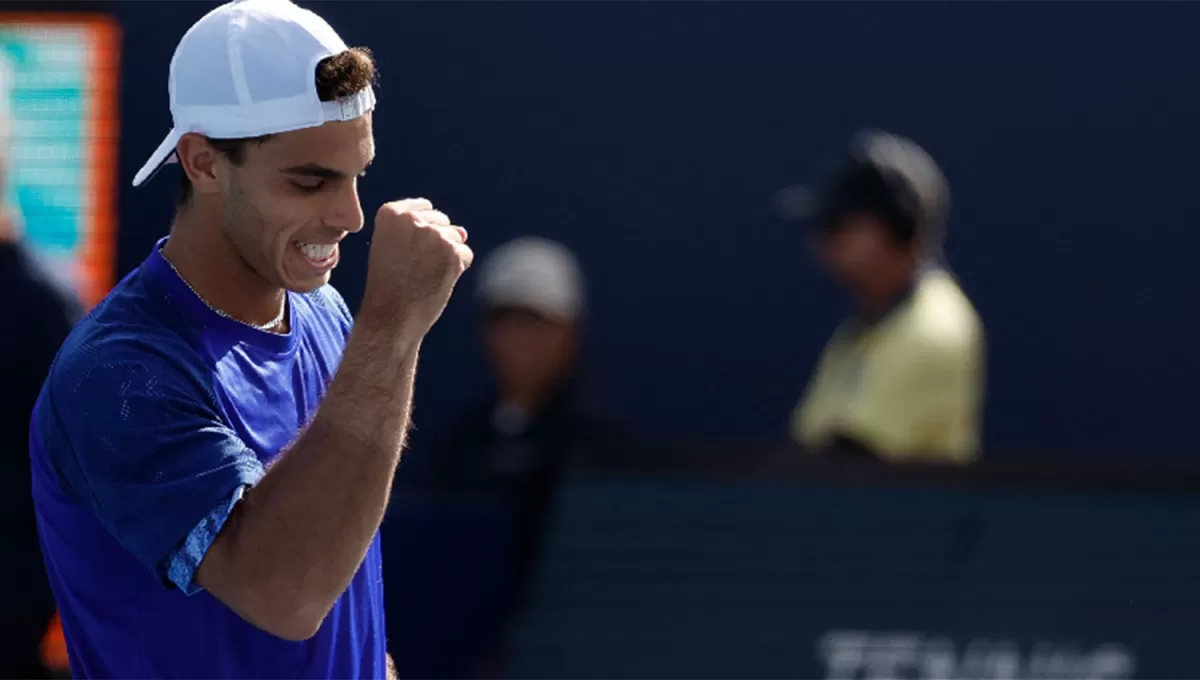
[(141, 443), (332, 299)]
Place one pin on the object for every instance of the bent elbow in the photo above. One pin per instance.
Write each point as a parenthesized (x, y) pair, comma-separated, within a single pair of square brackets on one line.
[(294, 631), (282, 613), (282, 607), (293, 626)]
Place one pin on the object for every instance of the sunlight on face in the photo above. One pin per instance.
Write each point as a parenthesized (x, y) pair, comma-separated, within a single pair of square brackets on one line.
[(294, 198)]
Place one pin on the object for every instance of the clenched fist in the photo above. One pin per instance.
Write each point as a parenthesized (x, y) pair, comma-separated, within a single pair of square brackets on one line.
[(416, 258)]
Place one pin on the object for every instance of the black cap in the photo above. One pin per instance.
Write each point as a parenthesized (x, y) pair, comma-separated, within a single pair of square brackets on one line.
[(883, 174)]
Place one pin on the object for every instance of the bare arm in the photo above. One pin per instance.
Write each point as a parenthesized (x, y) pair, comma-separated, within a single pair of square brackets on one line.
[(291, 547)]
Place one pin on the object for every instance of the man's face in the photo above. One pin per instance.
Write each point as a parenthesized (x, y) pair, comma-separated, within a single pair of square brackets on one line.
[(293, 198), (859, 245), (528, 350)]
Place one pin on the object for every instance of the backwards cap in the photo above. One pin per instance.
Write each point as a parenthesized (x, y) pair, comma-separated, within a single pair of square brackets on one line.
[(248, 68), (881, 173)]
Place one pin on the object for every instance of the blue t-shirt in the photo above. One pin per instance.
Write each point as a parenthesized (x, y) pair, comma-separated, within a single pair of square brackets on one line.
[(157, 416)]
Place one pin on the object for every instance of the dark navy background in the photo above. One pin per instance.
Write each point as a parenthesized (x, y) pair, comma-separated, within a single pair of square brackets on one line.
[(650, 136)]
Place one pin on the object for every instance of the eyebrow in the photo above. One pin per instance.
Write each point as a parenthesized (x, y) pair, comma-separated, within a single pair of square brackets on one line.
[(317, 170)]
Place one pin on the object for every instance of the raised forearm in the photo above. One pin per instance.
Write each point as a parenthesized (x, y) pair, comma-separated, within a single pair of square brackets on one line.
[(290, 549), (292, 546)]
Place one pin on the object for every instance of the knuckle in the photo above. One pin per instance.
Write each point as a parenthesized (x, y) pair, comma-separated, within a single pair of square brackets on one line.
[(417, 204), (389, 212), (465, 255), (404, 208)]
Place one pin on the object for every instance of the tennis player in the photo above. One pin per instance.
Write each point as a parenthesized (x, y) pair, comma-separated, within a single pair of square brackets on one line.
[(214, 446), (903, 378)]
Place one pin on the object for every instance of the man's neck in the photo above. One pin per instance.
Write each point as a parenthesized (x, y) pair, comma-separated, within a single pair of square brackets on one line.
[(887, 287), (211, 267), (530, 398)]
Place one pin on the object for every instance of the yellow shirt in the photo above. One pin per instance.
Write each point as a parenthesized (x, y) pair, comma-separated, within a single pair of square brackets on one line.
[(910, 388)]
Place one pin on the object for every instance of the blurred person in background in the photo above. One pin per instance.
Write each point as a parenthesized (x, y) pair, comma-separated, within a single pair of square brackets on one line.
[(38, 313), (903, 378), (515, 444)]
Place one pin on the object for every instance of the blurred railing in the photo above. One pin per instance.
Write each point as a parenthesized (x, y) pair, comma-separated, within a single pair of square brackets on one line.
[(701, 561), (739, 461), (775, 564)]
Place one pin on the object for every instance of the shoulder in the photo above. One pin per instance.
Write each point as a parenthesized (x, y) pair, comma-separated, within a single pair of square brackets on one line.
[(327, 302), (940, 322), (840, 345), (327, 297), (120, 352), (115, 392)]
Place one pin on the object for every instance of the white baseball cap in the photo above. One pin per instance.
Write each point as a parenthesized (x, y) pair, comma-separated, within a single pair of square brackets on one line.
[(248, 68), (536, 274)]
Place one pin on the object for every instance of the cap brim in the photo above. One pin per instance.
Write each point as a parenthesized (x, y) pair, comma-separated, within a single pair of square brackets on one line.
[(157, 159), (560, 310)]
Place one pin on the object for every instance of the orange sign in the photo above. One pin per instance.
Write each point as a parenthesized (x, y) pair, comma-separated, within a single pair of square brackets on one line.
[(58, 94)]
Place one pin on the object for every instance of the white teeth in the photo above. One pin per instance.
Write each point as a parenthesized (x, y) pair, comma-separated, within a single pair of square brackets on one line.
[(317, 251)]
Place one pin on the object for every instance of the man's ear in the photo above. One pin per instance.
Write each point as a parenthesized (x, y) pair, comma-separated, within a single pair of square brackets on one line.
[(201, 162)]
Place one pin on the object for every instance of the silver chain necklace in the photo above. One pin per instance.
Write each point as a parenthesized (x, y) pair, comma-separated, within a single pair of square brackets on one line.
[(266, 327)]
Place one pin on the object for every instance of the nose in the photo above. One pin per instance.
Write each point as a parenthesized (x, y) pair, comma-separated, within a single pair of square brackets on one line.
[(345, 210)]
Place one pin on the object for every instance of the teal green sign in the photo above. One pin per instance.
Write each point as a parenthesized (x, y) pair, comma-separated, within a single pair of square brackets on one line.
[(56, 78)]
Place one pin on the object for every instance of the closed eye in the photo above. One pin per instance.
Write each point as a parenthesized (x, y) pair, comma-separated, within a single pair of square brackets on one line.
[(310, 187), (311, 178)]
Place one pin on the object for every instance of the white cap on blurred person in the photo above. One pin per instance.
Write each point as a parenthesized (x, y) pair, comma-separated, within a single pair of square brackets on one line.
[(536, 274), (248, 68)]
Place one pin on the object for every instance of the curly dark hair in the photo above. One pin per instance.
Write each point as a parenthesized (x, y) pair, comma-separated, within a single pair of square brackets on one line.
[(338, 76)]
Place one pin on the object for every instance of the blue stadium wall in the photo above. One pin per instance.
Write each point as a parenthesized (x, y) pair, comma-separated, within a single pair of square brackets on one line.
[(650, 136)]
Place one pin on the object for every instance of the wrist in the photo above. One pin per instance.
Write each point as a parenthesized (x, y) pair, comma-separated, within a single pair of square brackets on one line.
[(399, 323), (394, 337)]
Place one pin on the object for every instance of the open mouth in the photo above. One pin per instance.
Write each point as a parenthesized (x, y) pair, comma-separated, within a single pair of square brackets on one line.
[(317, 253)]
